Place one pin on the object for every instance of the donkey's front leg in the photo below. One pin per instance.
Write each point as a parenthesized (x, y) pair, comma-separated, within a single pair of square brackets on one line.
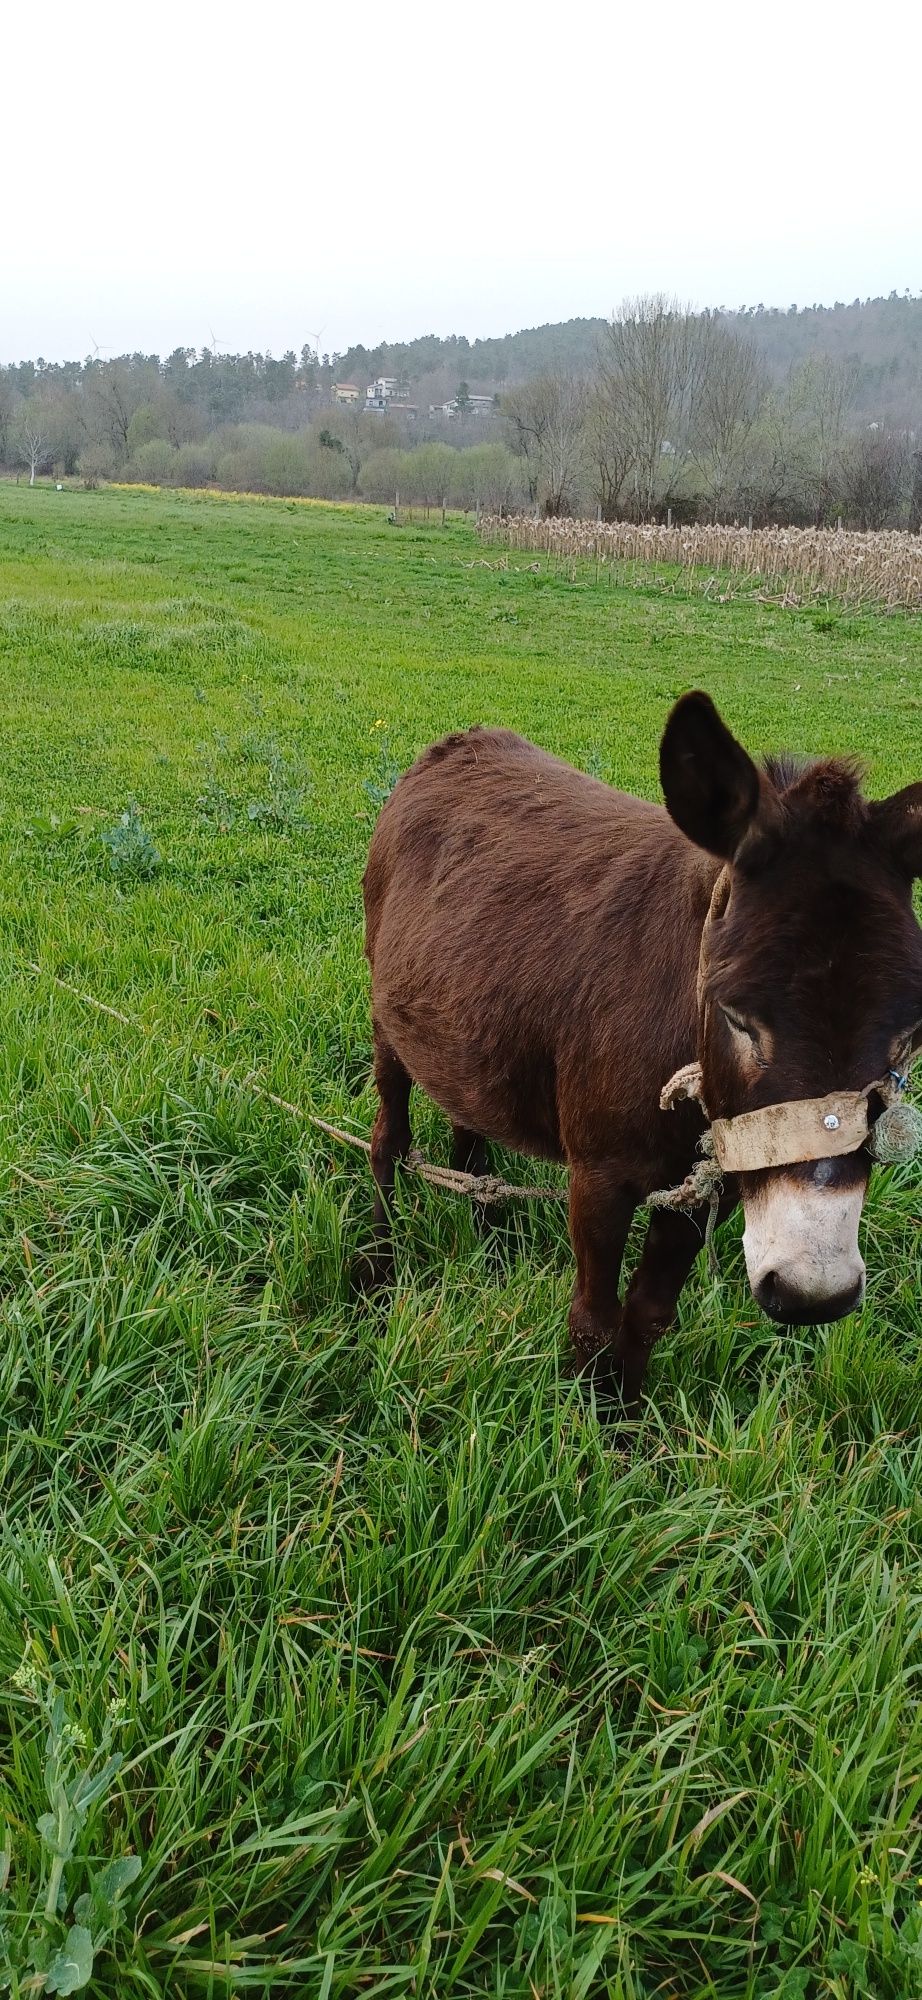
[(671, 1245), (602, 1203)]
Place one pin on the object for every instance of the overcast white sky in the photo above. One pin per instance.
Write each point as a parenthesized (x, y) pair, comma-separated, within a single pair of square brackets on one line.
[(267, 173)]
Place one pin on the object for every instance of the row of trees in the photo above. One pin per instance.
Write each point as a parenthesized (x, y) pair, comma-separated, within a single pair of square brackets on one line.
[(191, 420), (679, 414), (674, 411), (255, 458), (94, 416)]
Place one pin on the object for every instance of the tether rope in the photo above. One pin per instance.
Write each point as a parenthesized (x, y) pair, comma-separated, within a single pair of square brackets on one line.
[(482, 1188)]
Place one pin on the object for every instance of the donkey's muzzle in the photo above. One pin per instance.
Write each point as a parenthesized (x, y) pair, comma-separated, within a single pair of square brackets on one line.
[(781, 1297), (801, 1245)]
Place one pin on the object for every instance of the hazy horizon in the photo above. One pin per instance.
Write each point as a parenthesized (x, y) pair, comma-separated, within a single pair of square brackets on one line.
[(391, 338), (411, 175)]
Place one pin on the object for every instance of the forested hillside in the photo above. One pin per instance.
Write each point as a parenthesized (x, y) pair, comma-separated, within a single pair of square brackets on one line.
[(881, 339), (803, 415)]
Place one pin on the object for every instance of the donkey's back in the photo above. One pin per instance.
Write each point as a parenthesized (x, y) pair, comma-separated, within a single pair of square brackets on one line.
[(516, 911)]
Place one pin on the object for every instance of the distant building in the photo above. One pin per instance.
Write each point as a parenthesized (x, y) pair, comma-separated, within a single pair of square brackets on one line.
[(386, 393), (386, 389), (476, 406), (346, 392)]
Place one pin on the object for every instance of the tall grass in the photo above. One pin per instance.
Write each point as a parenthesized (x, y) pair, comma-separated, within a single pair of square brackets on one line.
[(425, 1685)]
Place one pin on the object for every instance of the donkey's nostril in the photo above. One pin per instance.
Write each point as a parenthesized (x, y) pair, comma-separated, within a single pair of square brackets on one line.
[(770, 1294), (787, 1302)]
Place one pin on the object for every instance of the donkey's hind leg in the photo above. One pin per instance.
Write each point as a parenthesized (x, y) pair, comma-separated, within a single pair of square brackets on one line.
[(468, 1151), (470, 1154), (391, 1140)]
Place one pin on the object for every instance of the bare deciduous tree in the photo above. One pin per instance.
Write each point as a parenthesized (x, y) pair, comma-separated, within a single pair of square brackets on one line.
[(826, 392), (360, 434), (545, 426), (30, 436), (113, 393), (772, 481), (165, 417), (608, 450), (876, 482), (652, 364), (730, 392), (915, 495)]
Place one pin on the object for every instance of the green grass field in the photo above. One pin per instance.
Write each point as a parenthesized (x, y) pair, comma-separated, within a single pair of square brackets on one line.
[(421, 1685)]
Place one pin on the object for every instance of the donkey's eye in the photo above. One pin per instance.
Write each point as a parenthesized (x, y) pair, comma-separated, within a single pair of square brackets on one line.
[(749, 1029), (741, 1026)]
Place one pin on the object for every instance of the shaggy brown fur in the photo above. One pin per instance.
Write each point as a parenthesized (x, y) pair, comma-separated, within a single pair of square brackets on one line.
[(534, 940)]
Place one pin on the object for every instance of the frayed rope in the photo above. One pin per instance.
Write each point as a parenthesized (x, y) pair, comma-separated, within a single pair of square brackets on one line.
[(482, 1188)]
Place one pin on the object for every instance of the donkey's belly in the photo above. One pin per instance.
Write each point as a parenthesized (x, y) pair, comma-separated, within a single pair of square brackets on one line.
[(486, 1088)]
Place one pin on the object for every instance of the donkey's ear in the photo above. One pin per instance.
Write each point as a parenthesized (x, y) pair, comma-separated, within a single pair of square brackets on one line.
[(710, 784), (897, 824)]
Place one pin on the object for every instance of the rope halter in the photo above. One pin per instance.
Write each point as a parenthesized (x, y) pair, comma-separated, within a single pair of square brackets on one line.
[(805, 1128)]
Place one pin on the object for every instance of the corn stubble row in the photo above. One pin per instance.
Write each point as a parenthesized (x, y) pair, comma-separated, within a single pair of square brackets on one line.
[(799, 564)]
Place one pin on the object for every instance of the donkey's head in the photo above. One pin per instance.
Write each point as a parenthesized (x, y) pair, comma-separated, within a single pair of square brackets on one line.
[(810, 980)]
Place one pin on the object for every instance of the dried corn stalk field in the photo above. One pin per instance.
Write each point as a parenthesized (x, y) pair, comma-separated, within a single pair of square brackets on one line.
[(797, 564)]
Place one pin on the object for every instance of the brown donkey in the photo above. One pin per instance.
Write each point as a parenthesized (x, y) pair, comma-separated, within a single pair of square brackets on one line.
[(546, 952)]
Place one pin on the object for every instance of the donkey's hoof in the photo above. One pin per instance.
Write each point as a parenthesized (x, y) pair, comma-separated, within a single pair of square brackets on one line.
[(601, 1372), (372, 1273)]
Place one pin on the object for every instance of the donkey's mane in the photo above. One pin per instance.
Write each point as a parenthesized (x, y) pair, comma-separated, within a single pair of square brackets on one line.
[(823, 790)]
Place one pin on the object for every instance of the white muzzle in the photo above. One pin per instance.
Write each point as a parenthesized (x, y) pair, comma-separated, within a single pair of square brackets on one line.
[(801, 1248)]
